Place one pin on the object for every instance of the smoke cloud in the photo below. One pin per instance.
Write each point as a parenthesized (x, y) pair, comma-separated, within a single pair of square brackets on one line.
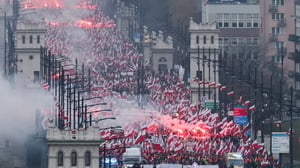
[(18, 109)]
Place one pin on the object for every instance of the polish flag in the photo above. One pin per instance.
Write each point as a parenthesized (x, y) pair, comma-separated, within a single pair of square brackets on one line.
[(157, 143), (230, 93), (247, 103), (218, 85), (140, 137), (212, 84), (252, 107), (223, 88), (46, 86)]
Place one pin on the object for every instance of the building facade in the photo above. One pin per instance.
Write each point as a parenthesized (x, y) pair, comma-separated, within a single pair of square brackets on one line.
[(73, 148), (204, 53), (276, 26), (239, 26), (29, 37)]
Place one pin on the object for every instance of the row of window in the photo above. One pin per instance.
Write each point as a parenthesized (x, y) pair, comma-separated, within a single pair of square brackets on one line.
[(227, 20), (31, 39), (235, 41), (212, 39), (87, 158), (278, 2)]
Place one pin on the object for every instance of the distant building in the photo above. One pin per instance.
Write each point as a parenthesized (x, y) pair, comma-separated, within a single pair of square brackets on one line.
[(204, 53), (12, 153), (239, 25), (73, 148), (6, 15), (277, 24), (158, 50), (29, 37)]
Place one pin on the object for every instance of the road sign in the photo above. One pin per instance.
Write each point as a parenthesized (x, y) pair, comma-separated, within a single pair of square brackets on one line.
[(241, 110), (240, 119), (280, 142), (210, 104)]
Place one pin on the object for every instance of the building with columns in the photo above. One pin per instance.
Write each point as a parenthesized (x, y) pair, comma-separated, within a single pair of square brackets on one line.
[(29, 37), (204, 52)]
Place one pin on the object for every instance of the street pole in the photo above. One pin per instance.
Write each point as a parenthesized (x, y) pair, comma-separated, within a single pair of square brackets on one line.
[(271, 115), (203, 70), (280, 97), (199, 75), (291, 130), (262, 107), (215, 80), (209, 73)]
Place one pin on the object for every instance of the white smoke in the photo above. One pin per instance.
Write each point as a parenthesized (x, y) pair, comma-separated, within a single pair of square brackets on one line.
[(18, 109)]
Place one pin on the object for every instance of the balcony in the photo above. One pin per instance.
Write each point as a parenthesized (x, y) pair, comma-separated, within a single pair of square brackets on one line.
[(281, 23), (273, 9), (273, 37)]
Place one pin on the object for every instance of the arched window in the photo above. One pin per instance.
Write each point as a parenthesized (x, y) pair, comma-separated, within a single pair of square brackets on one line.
[(87, 158), (60, 158), (197, 39), (73, 159), (162, 59), (204, 39)]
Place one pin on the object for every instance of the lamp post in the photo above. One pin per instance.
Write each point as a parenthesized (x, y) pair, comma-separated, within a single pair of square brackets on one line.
[(291, 129)]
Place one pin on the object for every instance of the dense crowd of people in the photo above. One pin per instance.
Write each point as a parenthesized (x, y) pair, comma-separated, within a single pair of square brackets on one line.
[(182, 133)]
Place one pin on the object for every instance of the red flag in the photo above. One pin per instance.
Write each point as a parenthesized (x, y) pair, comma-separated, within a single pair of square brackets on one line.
[(157, 143), (140, 137)]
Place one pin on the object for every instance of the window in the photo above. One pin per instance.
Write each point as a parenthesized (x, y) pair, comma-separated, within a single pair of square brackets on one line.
[(162, 68), (278, 2), (255, 41), (30, 39), (23, 39), (204, 39), (234, 18), (87, 158), (234, 41), (241, 20), (278, 16), (38, 39), (297, 67), (73, 159), (277, 30), (36, 76), (197, 39), (297, 87), (60, 158), (162, 59), (226, 41), (212, 39), (30, 57)]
